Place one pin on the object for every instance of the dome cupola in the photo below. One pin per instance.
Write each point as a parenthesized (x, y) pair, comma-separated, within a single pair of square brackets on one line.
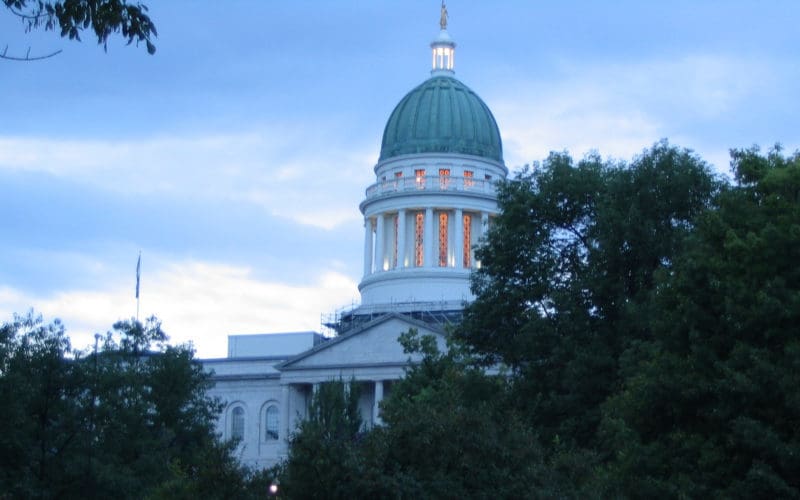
[(442, 115)]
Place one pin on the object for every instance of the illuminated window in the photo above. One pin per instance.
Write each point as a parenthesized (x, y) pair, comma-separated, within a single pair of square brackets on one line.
[(237, 423), (443, 58), (467, 240), (444, 178), (419, 175), (394, 251), (419, 230), (398, 179), (443, 239), (468, 178), (272, 423)]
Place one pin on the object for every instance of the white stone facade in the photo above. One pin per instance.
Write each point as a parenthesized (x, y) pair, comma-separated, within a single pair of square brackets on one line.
[(252, 385)]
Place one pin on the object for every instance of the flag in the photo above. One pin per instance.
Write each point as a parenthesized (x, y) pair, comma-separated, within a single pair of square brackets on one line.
[(138, 272)]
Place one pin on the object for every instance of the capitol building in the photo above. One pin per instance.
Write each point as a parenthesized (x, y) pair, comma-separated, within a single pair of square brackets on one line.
[(432, 201)]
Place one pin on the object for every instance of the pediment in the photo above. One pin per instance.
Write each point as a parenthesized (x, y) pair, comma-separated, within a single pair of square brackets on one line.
[(375, 343)]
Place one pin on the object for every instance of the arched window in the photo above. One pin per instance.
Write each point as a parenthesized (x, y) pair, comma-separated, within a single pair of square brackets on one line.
[(272, 421), (237, 423)]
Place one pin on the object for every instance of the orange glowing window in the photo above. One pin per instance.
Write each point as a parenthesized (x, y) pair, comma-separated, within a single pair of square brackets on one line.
[(467, 240), (443, 239), (469, 178), (444, 178), (419, 175), (419, 230), (394, 254)]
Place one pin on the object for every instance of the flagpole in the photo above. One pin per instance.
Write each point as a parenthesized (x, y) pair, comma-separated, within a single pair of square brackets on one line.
[(138, 274)]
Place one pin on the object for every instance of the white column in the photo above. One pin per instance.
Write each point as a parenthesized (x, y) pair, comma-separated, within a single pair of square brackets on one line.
[(428, 239), (284, 413), (484, 223), (459, 243), (380, 238), (367, 247), (401, 238), (376, 417)]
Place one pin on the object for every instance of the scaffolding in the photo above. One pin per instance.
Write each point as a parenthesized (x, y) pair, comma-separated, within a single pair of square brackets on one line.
[(439, 313)]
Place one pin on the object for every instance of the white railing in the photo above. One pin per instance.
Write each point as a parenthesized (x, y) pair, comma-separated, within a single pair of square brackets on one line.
[(433, 183)]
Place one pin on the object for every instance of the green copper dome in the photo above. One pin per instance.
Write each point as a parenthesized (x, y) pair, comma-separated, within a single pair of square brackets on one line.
[(442, 115)]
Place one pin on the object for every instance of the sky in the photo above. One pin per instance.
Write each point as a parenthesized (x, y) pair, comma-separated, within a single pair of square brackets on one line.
[(234, 159)]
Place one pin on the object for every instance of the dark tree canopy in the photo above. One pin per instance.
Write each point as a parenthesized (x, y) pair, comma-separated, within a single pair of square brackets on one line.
[(634, 335), (324, 459), (710, 403), (567, 271), (103, 18), (129, 420)]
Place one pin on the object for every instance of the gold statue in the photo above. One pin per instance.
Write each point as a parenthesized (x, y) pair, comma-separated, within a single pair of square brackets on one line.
[(443, 17)]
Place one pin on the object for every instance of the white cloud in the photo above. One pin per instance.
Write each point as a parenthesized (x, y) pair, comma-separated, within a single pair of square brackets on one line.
[(620, 109), (277, 170), (197, 301)]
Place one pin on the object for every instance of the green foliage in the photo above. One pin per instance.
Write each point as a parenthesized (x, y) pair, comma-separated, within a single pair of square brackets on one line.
[(324, 455), (566, 274), (448, 431), (451, 432), (128, 420), (634, 336), (103, 17), (710, 404), (42, 421)]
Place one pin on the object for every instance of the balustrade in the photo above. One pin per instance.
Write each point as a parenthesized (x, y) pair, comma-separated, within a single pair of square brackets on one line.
[(430, 183)]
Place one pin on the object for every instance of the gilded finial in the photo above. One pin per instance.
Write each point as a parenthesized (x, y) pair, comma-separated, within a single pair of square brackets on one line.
[(443, 17)]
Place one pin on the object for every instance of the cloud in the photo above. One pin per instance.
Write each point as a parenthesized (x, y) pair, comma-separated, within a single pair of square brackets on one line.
[(278, 170), (197, 301), (621, 108)]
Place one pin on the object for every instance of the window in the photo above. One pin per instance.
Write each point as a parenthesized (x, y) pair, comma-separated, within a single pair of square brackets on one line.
[(444, 178), (443, 239), (272, 423), (237, 423), (467, 240), (398, 179), (488, 177), (468, 179), (419, 230), (394, 250), (419, 175)]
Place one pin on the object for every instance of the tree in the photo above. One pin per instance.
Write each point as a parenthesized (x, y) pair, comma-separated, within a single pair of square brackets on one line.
[(127, 420), (448, 431), (41, 431), (710, 403), (565, 273), (70, 17), (325, 452), (451, 431)]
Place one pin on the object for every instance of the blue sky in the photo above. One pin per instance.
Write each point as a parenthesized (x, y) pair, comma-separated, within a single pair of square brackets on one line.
[(235, 158)]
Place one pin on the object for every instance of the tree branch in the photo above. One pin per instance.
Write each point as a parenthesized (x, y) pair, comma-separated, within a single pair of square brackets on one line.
[(27, 57)]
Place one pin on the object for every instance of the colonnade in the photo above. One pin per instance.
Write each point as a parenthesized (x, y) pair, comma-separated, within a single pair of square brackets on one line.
[(379, 258), (294, 403)]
